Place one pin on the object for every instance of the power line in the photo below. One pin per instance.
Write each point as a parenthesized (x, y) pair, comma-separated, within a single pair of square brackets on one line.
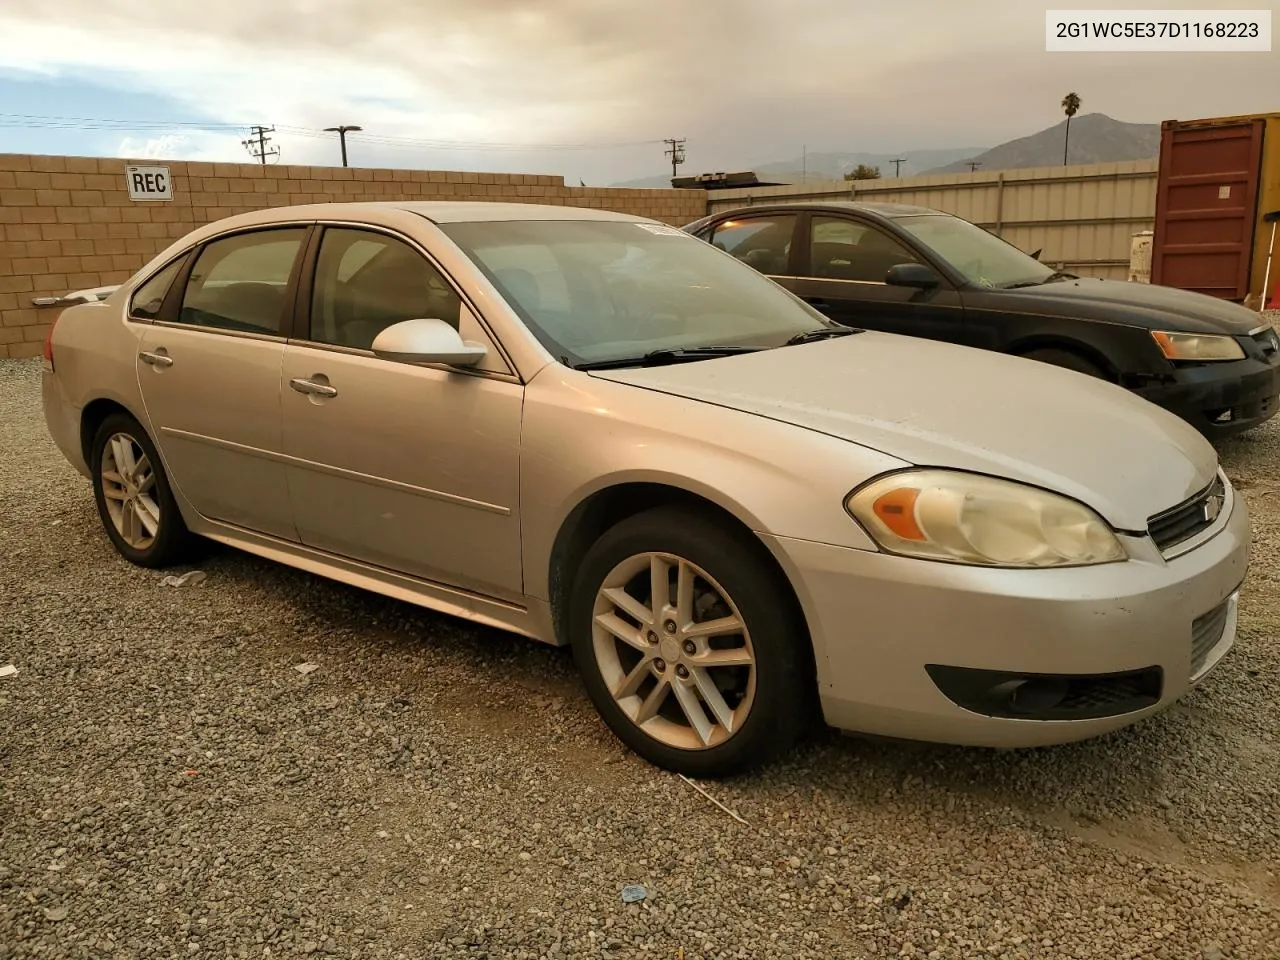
[(675, 150), (897, 166), (973, 164), (257, 144), (36, 122), (390, 141)]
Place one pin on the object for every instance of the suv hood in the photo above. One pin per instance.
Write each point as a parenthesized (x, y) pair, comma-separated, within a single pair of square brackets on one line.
[(1139, 304), (940, 405)]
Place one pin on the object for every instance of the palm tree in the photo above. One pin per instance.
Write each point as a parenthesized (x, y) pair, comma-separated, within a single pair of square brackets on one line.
[(1070, 106)]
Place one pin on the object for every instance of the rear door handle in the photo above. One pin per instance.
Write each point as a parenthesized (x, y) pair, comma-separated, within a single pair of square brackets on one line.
[(303, 385), (156, 359)]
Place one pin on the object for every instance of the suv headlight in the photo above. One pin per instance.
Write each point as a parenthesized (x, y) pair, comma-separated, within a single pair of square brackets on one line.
[(971, 519), (1197, 346)]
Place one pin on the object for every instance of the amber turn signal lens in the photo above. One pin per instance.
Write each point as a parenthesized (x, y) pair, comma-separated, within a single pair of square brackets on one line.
[(897, 511)]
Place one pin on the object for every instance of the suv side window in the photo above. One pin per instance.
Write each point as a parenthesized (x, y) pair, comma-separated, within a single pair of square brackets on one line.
[(760, 242), (844, 249), (149, 297), (241, 282), (367, 281)]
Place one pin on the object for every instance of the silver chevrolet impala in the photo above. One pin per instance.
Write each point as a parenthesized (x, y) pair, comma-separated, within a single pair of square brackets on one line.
[(595, 430)]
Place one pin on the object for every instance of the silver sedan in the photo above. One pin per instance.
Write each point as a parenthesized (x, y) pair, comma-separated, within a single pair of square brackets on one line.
[(595, 430)]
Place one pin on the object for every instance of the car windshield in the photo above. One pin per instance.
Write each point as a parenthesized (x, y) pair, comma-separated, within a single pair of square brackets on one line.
[(594, 291), (983, 258)]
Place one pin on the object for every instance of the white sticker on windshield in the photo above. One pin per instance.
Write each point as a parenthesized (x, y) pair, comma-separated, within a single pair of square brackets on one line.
[(661, 230)]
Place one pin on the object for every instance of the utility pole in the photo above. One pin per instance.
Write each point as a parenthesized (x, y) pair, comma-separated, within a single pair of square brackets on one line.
[(973, 164), (897, 166), (342, 137), (257, 144), (675, 150)]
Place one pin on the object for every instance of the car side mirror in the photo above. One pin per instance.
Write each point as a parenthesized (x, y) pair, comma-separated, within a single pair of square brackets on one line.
[(426, 341), (913, 275)]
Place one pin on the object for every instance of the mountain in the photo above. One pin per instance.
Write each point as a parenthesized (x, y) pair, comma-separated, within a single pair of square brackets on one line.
[(833, 166), (1095, 138), (829, 166)]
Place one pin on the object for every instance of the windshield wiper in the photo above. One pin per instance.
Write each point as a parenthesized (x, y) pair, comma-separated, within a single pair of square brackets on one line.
[(656, 358), (822, 333), (1051, 278)]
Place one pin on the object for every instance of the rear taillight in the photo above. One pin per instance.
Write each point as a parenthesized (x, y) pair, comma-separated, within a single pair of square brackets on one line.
[(48, 346)]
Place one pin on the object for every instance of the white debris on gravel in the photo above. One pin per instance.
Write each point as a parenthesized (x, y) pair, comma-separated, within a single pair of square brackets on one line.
[(445, 791), (189, 579)]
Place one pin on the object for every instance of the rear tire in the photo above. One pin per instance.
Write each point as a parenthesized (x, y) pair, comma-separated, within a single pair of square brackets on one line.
[(135, 502), (1069, 360), (702, 700)]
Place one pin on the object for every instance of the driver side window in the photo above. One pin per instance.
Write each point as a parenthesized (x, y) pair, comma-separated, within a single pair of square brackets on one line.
[(844, 249), (760, 242), (367, 281)]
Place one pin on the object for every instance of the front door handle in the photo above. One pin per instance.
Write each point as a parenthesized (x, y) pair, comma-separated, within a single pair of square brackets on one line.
[(303, 385), (156, 359)]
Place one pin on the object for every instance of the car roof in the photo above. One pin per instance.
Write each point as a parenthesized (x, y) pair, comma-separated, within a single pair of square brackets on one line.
[(892, 211), (392, 213), (470, 211), (437, 211)]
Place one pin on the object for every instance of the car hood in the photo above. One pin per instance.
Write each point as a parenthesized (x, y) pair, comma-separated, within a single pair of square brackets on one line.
[(941, 405), (1138, 304)]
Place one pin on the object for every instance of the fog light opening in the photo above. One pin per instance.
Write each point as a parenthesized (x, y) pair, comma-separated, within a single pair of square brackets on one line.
[(1031, 696), (1036, 696)]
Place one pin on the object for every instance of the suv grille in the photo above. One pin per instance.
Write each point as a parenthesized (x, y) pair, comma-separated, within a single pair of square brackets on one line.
[(1184, 521)]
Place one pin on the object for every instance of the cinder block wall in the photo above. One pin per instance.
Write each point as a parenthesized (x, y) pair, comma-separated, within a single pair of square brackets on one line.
[(67, 222)]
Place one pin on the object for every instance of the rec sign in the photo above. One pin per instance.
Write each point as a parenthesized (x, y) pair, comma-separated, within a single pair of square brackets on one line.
[(148, 183)]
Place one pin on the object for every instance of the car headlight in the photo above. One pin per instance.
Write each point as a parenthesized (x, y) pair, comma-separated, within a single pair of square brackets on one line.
[(972, 519), (1197, 346)]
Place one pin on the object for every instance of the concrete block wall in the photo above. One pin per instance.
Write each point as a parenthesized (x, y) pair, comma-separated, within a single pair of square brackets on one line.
[(67, 223)]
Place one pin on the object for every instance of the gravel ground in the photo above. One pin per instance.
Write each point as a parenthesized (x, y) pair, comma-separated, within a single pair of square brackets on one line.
[(171, 787)]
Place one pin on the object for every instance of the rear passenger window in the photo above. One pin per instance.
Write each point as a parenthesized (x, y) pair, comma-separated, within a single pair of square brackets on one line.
[(241, 283), (149, 298)]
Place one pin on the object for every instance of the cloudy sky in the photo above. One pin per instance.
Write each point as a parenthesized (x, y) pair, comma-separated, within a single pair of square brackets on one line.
[(582, 88)]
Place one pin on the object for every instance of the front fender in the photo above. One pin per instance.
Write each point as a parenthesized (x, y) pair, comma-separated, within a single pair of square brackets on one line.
[(584, 435)]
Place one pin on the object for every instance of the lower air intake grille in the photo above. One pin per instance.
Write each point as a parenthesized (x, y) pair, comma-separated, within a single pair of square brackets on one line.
[(1206, 631)]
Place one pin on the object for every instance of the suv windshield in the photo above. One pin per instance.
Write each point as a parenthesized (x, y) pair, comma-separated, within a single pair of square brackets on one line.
[(983, 258), (599, 290)]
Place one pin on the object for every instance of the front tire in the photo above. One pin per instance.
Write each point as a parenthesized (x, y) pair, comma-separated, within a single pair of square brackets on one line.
[(135, 501), (690, 646)]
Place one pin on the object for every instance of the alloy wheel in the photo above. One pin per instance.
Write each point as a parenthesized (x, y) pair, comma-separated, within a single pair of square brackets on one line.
[(129, 491), (674, 651)]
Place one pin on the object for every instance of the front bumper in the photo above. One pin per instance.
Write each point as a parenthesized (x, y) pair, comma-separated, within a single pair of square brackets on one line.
[(1221, 399), (883, 625)]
